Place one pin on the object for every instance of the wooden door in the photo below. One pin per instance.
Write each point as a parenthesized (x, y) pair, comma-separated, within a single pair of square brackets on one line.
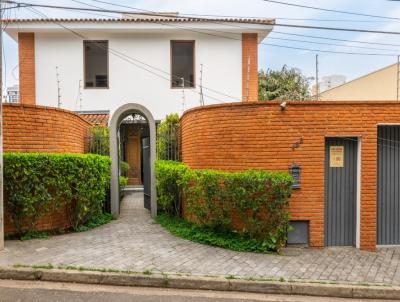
[(133, 155)]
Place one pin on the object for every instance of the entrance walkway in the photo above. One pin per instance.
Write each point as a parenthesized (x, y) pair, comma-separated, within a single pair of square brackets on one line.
[(134, 242)]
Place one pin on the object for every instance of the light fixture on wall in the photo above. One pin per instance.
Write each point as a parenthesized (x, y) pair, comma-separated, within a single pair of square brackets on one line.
[(295, 172), (283, 106)]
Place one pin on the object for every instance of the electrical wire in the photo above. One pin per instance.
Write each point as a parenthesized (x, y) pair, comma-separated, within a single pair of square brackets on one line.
[(132, 60), (335, 39), (331, 10), (268, 44), (202, 19)]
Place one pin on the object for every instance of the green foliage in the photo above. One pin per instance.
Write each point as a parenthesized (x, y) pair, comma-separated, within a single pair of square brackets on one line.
[(285, 84), (123, 181), (95, 221), (124, 167), (37, 183), (169, 175), (225, 239), (167, 138), (258, 198), (99, 140), (34, 235)]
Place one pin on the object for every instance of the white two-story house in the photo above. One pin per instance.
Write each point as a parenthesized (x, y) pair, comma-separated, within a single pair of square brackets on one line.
[(167, 63)]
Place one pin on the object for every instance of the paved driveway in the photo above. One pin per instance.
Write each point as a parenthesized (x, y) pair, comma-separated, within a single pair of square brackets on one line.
[(134, 242)]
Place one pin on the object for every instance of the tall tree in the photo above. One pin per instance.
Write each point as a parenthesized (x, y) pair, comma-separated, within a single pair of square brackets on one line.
[(284, 84)]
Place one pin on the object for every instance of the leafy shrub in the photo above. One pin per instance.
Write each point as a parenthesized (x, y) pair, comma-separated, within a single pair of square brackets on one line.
[(259, 199), (169, 175), (168, 138), (99, 142), (36, 184), (124, 167), (225, 239), (123, 181)]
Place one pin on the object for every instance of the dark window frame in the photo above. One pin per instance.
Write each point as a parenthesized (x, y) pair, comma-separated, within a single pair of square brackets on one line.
[(193, 84), (84, 64)]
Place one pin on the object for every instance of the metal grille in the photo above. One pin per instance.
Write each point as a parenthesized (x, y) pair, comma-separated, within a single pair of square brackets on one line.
[(168, 144)]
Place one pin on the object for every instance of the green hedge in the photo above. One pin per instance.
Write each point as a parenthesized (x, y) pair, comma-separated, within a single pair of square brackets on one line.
[(260, 200), (37, 183)]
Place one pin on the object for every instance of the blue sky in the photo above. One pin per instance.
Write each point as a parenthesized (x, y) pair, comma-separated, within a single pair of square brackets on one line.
[(269, 57)]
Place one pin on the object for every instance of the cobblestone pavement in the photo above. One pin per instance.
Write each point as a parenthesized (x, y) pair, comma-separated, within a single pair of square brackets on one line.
[(134, 242)]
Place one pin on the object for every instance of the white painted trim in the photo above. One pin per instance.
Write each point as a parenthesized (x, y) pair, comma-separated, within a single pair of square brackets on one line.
[(358, 215)]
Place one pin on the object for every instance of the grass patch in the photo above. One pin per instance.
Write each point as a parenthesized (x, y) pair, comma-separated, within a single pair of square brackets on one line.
[(95, 221), (34, 235), (229, 240)]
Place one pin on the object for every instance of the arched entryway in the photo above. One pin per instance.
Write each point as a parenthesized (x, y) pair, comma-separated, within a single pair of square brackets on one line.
[(117, 118)]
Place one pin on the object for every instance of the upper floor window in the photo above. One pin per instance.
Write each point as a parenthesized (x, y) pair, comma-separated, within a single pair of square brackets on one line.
[(182, 64), (96, 64)]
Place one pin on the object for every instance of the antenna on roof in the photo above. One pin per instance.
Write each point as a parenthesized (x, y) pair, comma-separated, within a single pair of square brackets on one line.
[(201, 86), (248, 78), (58, 88), (80, 95), (183, 94)]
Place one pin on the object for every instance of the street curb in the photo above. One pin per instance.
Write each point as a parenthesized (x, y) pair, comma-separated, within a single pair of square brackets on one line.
[(204, 283)]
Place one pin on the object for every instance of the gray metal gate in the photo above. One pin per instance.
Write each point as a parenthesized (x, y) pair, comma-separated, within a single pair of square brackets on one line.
[(146, 172), (340, 191), (388, 204)]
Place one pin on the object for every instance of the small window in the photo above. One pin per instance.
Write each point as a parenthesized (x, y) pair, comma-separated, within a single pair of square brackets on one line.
[(182, 64), (96, 64)]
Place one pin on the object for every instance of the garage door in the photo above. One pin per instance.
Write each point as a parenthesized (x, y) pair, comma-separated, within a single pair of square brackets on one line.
[(340, 191), (388, 204)]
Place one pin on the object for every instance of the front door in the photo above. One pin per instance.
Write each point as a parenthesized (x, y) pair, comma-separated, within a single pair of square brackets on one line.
[(133, 155), (340, 191)]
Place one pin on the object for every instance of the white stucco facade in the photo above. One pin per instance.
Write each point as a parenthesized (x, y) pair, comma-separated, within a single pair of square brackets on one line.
[(131, 46)]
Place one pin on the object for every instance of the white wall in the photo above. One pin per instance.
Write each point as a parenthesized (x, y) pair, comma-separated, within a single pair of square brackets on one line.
[(221, 59)]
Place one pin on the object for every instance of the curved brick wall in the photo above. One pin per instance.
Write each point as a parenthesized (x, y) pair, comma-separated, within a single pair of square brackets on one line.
[(30, 128), (259, 135)]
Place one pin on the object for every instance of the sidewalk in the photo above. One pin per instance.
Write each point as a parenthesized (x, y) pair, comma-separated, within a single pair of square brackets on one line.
[(134, 242)]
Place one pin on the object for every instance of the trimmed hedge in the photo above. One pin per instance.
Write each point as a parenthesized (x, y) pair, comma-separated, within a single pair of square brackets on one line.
[(37, 183), (254, 203)]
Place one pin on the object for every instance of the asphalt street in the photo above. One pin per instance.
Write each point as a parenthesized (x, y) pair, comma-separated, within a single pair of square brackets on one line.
[(21, 291)]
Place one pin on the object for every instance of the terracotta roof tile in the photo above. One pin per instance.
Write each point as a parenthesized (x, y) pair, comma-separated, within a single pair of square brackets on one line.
[(96, 118), (146, 19)]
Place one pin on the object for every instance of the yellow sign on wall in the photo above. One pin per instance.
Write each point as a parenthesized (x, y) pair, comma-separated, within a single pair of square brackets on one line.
[(336, 156)]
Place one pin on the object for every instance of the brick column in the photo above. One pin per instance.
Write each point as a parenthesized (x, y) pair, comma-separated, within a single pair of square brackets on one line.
[(26, 50), (249, 67)]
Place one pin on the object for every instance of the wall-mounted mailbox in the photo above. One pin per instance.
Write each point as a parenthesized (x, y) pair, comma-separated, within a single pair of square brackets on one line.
[(295, 171)]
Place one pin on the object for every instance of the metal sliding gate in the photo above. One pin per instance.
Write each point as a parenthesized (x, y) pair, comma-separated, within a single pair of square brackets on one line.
[(388, 199)]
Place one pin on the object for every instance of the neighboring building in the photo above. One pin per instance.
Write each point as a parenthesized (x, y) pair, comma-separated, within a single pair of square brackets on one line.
[(131, 59), (380, 85), (12, 94)]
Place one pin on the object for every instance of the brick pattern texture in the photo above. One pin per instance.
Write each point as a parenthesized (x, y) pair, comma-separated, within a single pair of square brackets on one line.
[(259, 135), (56, 219), (249, 67), (29, 128), (26, 50)]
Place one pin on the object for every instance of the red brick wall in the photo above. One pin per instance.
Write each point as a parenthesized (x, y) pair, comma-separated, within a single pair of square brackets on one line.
[(249, 68), (54, 220), (259, 135), (29, 128), (26, 50)]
